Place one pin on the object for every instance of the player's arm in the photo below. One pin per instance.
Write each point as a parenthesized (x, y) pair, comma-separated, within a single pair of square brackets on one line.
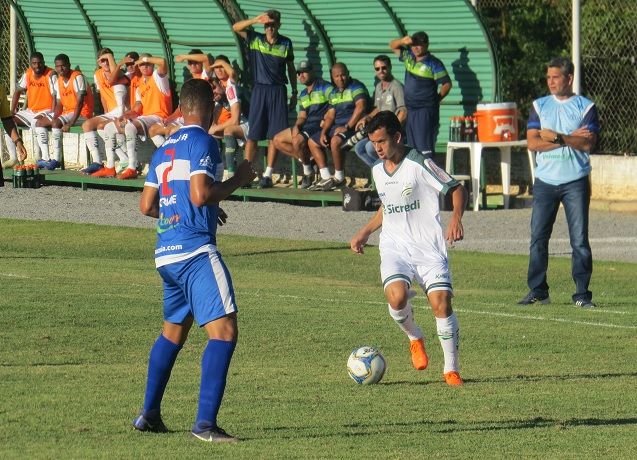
[(397, 44), (205, 191), (359, 110), (293, 83), (12, 130), (159, 62), (444, 90), (16, 99), (328, 121), (359, 240), (149, 202), (232, 74), (78, 107), (240, 27), (455, 230), (301, 118), (116, 73)]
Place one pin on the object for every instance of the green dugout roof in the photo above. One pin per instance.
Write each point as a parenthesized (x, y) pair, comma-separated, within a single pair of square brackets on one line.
[(323, 31)]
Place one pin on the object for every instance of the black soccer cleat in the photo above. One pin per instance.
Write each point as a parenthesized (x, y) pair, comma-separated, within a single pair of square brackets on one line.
[(215, 434), (531, 298), (150, 424)]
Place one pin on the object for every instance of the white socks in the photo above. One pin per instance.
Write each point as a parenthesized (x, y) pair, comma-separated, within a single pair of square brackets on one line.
[(57, 143), (268, 171), (131, 144), (448, 334), (42, 136), (405, 320), (13, 153), (339, 175), (325, 173), (90, 138), (110, 131)]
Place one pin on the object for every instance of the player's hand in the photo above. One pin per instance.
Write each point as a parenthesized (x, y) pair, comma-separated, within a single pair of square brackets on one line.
[(547, 135), (263, 18), (361, 124), (22, 152), (358, 241), (180, 58), (245, 173), (66, 127), (455, 230), (582, 132), (222, 217), (292, 104), (325, 142), (407, 40)]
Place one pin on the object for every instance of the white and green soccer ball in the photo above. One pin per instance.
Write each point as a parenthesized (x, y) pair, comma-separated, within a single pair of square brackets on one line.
[(366, 365)]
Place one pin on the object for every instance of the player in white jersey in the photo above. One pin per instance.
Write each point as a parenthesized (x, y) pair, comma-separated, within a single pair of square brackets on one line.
[(412, 243)]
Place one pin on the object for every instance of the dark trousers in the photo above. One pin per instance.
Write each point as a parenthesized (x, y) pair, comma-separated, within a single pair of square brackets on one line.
[(575, 196)]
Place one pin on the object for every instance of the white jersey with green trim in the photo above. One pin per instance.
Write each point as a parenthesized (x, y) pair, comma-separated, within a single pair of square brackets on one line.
[(411, 213)]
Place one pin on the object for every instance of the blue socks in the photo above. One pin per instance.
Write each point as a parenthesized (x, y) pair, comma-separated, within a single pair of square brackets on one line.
[(162, 358), (214, 370)]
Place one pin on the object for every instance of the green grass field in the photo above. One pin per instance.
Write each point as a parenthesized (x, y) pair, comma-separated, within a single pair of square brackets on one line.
[(81, 307)]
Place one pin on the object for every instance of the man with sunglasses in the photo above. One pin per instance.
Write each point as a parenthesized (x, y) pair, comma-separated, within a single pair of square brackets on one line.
[(423, 74), (388, 95), (271, 54), (38, 82), (111, 84), (198, 63), (313, 104)]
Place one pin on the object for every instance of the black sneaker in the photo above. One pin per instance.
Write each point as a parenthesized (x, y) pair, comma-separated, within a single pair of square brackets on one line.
[(339, 183), (585, 303), (151, 424), (531, 298), (307, 181), (324, 185), (214, 435), (266, 182)]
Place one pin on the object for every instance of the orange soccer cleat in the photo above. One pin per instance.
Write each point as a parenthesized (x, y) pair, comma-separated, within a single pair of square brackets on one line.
[(418, 354), (453, 378), (104, 172), (128, 173)]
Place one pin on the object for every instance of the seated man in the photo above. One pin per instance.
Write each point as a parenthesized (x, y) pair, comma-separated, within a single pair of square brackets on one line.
[(228, 121), (38, 81), (198, 64), (348, 103), (153, 104), (112, 91), (388, 95), (223, 70), (313, 104), (74, 105), (10, 128)]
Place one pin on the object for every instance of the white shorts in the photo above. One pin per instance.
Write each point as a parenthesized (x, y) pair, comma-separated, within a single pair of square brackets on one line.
[(146, 121), (28, 117), (245, 127), (112, 115), (434, 277), (65, 118)]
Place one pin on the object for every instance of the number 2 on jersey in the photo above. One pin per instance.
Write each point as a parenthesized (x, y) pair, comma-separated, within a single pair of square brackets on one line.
[(165, 188)]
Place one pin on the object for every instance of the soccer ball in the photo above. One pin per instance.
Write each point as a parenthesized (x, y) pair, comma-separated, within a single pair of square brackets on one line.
[(366, 365)]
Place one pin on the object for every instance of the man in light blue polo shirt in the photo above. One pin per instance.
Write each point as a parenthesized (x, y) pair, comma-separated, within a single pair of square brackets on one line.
[(563, 128)]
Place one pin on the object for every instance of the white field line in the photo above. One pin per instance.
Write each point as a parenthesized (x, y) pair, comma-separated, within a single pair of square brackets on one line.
[(24, 277), (461, 310)]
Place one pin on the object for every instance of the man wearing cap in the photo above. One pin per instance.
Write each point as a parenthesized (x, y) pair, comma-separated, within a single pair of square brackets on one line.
[(271, 55), (423, 74), (313, 104)]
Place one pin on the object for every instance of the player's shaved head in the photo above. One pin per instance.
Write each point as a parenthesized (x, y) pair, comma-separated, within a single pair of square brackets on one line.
[(195, 99)]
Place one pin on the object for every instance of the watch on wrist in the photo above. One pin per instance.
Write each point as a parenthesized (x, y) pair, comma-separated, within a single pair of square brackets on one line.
[(558, 139), (19, 139)]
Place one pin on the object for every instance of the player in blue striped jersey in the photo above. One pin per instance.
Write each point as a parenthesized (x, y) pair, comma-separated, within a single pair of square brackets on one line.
[(183, 190)]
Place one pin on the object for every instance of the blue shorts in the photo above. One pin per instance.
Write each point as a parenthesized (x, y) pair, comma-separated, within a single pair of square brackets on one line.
[(309, 129), (422, 129), (268, 112), (316, 137), (200, 286)]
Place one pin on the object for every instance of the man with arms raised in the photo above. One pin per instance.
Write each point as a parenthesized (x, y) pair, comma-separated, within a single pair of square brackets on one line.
[(271, 56), (183, 190), (412, 243)]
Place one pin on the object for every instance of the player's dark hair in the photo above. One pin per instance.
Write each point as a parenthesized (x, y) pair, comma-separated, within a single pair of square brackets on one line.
[(195, 96), (564, 64), (133, 54), (63, 57), (420, 38), (224, 58), (195, 51), (384, 59), (384, 119), (274, 15), (37, 54)]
